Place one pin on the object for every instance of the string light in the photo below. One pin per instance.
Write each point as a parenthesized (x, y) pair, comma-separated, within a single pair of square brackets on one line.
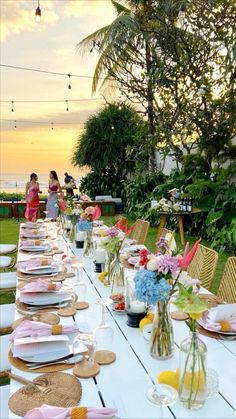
[(69, 85), (112, 127), (12, 105), (52, 125), (38, 14), (67, 107), (15, 125)]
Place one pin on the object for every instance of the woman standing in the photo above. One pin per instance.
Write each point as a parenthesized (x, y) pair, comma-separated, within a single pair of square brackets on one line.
[(32, 198), (53, 188)]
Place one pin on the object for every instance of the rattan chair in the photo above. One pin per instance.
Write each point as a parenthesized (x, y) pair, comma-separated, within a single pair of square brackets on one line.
[(203, 265), (165, 231), (227, 288), (140, 231)]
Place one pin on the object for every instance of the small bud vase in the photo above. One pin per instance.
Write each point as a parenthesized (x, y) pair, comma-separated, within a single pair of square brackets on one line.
[(162, 340)]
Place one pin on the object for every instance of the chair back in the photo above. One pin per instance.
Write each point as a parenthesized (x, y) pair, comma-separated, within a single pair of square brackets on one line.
[(165, 231), (140, 231), (227, 288), (203, 265)]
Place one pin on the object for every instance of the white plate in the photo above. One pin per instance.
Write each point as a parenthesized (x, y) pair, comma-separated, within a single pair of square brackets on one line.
[(49, 357), (33, 236), (45, 271), (44, 298), (35, 248), (134, 260), (214, 315)]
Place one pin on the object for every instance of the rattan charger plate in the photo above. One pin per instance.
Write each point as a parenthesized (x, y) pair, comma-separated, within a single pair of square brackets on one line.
[(214, 335), (211, 299), (57, 278), (65, 391), (21, 365)]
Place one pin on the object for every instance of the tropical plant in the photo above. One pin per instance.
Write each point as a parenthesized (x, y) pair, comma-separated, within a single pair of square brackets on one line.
[(179, 69)]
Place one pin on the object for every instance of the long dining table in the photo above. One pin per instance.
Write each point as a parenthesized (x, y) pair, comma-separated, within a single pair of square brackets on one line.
[(124, 383)]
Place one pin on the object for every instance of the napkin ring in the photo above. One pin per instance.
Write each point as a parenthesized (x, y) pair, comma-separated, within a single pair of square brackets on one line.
[(44, 262), (78, 413), (56, 329), (37, 242), (52, 287), (35, 231)]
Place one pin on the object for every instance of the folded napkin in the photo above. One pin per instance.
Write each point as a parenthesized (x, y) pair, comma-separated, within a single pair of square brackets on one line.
[(32, 232), (30, 328), (35, 262), (31, 243), (41, 285), (53, 412), (225, 325)]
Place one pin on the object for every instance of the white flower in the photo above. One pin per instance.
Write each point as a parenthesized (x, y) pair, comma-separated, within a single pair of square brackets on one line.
[(121, 235), (105, 240), (163, 201), (176, 207), (152, 264)]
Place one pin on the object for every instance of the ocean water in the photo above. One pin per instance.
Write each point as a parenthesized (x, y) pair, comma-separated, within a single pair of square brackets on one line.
[(16, 182)]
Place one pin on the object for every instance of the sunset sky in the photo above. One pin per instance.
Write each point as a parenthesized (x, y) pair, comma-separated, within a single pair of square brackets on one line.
[(49, 45)]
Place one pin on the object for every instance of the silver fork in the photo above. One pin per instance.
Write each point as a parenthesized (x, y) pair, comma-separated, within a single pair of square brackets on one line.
[(70, 361)]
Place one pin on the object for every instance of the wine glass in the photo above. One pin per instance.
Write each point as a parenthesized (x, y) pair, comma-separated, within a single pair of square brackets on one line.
[(88, 367), (103, 332), (79, 285), (162, 395)]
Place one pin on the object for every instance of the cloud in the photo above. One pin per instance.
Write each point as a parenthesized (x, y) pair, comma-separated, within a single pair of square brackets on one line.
[(89, 8), (18, 16), (65, 52)]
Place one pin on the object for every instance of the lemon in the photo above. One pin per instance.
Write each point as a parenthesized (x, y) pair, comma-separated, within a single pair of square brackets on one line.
[(195, 381), (146, 320), (170, 378), (225, 326), (195, 316), (101, 276), (150, 316)]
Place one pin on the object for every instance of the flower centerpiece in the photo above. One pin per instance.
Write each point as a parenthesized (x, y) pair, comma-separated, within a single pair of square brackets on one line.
[(155, 284), (192, 371), (86, 224), (70, 210)]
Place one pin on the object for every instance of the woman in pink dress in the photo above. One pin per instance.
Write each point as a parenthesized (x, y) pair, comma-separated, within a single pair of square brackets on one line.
[(53, 188), (32, 198)]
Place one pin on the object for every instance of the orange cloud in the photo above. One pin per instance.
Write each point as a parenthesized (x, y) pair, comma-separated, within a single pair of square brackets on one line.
[(18, 16)]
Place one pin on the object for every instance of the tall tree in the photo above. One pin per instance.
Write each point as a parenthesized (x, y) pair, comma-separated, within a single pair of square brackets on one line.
[(180, 72)]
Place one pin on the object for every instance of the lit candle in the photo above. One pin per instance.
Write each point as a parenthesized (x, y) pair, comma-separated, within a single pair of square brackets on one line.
[(100, 256), (137, 307), (80, 236)]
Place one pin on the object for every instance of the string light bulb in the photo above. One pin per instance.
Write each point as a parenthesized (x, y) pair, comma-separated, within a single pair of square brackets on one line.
[(181, 14), (69, 85), (112, 127), (15, 125), (52, 125), (12, 105), (38, 14), (67, 107)]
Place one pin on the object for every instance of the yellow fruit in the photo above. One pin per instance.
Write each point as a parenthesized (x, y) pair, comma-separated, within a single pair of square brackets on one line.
[(146, 320), (195, 316), (170, 378), (101, 276), (150, 316), (196, 381), (225, 326)]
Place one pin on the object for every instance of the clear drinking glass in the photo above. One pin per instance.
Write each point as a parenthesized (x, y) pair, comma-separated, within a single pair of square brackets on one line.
[(162, 395), (103, 332), (89, 341)]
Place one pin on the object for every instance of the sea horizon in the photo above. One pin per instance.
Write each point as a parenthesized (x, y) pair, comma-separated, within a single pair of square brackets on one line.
[(16, 182)]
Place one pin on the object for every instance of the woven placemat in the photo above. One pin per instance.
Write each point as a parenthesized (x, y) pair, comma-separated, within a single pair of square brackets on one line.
[(22, 308), (25, 277), (48, 318), (67, 312), (211, 299), (81, 305), (65, 391), (214, 335), (21, 365)]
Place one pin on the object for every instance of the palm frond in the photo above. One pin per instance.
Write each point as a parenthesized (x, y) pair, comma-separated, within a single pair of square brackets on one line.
[(85, 45), (120, 8)]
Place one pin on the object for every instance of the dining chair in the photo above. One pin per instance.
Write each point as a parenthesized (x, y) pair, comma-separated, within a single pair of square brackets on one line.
[(6, 249), (8, 281), (227, 288), (140, 231), (7, 262), (203, 265), (4, 396), (165, 231)]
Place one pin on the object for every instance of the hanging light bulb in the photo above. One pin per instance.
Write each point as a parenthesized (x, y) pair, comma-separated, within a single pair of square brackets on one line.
[(67, 107), (38, 14), (15, 125), (112, 127), (52, 125), (12, 105), (69, 85)]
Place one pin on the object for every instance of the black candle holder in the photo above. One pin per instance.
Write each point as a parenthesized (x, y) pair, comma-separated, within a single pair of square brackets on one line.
[(133, 319), (79, 244), (98, 267)]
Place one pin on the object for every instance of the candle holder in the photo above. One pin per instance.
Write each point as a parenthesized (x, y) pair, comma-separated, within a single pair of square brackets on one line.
[(98, 267), (136, 310), (79, 244)]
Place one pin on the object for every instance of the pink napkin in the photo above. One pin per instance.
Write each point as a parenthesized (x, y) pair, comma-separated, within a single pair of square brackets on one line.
[(41, 285), (31, 243), (214, 326), (53, 412), (35, 262), (33, 232), (30, 328)]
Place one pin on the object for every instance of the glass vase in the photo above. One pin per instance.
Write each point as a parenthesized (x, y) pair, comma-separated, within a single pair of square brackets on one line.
[(193, 386), (162, 340), (117, 279), (72, 232), (88, 244), (109, 259)]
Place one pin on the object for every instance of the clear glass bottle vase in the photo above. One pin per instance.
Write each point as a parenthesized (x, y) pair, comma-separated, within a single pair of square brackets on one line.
[(88, 244), (193, 385), (117, 277), (162, 339)]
